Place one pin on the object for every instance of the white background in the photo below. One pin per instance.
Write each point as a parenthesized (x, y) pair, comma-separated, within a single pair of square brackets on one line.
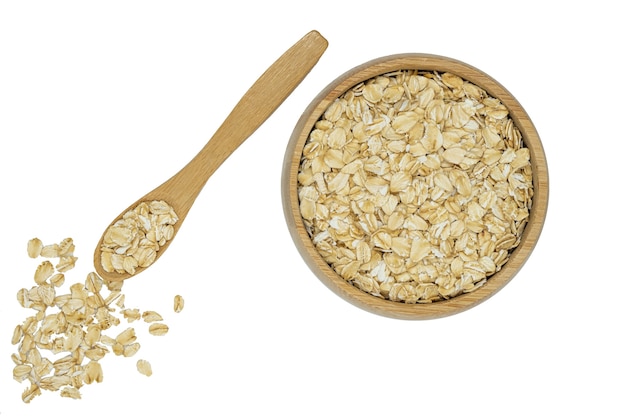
[(102, 101)]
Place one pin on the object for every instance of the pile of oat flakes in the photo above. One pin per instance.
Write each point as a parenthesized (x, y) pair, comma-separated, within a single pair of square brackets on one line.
[(133, 241), (59, 346), (415, 186)]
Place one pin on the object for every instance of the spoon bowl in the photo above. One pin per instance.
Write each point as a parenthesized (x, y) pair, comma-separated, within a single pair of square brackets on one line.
[(256, 106)]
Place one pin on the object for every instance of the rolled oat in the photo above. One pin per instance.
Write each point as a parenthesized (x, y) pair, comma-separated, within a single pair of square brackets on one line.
[(179, 303), (144, 367)]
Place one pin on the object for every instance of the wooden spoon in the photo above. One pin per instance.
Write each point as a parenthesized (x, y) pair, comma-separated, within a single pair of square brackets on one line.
[(256, 106)]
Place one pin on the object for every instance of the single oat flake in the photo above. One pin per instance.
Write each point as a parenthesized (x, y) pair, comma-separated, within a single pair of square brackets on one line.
[(34, 247), (158, 329), (144, 367), (415, 186), (179, 303)]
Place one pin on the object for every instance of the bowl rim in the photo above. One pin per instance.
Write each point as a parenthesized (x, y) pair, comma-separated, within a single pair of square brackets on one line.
[(347, 291)]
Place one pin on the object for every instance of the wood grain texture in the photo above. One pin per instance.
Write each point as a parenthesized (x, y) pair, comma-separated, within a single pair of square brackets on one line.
[(326, 274), (256, 106)]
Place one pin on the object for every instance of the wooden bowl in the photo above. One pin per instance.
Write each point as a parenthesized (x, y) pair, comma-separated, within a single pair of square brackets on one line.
[(356, 296)]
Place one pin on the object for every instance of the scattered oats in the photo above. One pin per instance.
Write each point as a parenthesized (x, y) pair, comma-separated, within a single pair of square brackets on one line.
[(158, 329), (144, 367), (415, 186), (179, 303), (73, 326), (134, 240)]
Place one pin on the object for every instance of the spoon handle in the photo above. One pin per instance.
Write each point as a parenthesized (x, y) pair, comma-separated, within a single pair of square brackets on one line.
[(259, 102), (254, 108)]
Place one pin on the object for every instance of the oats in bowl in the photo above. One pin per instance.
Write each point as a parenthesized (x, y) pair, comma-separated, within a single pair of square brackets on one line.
[(411, 182)]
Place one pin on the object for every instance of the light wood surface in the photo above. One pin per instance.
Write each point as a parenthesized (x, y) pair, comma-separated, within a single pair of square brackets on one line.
[(258, 104), (325, 273)]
